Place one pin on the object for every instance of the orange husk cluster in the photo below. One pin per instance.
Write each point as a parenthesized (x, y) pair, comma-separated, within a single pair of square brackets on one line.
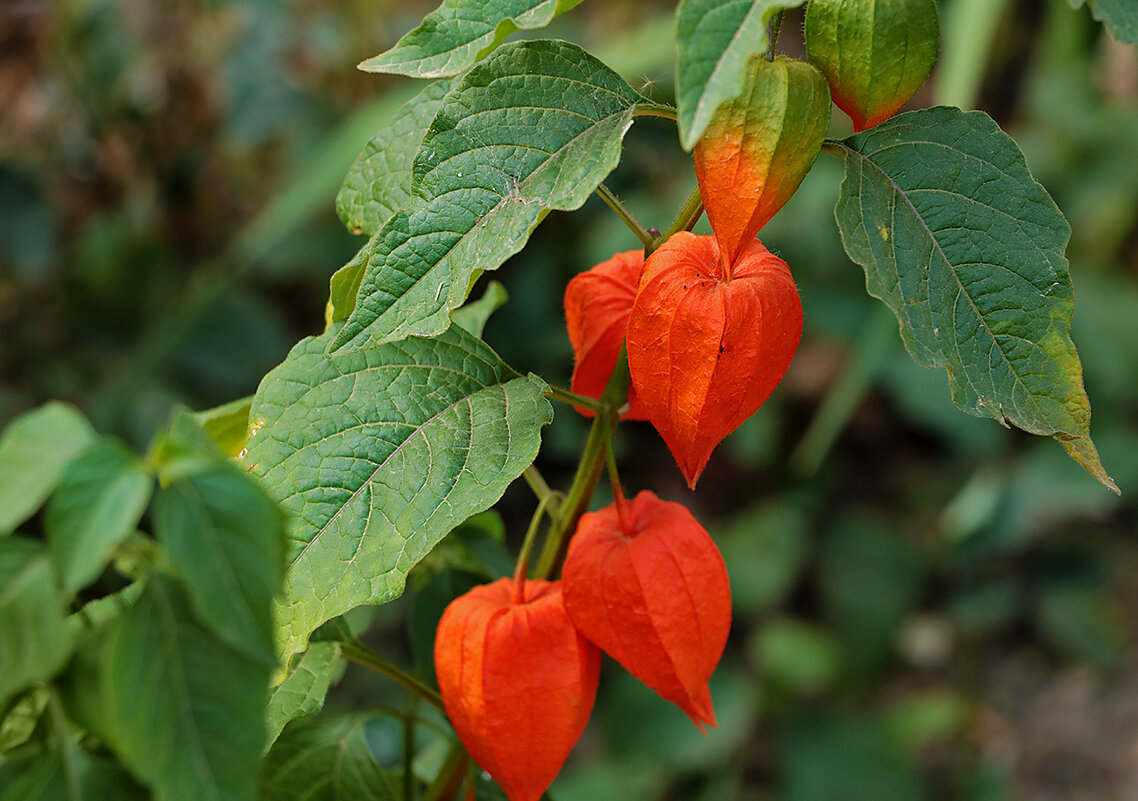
[(597, 304), (517, 679), (645, 582), (708, 342)]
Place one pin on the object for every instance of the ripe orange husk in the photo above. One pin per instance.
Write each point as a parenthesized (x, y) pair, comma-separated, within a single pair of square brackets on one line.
[(709, 342), (597, 304), (652, 591), (517, 680)]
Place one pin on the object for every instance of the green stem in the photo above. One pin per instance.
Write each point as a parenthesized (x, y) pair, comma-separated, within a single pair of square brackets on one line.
[(527, 548), (573, 398), (450, 777), (538, 484), (589, 470), (625, 215), (776, 25), (834, 147), (362, 655), (687, 218), (656, 110)]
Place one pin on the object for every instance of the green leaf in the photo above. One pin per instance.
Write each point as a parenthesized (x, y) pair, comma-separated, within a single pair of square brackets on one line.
[(473, 315), (345, 285), (227, 425), (99, 501), (378, 454), (301, 695), (34, 639), (325, 761), (1119, 16), (225, 538), (379, 182), (79, 776), (714, 41), (185, 710), (797, 656), (966, 248), (458, 33), (34, 449), (534, 128)]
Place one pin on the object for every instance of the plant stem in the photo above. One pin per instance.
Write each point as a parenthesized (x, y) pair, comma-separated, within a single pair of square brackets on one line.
[(450, 777), (589, 470), (538, 484), (362, 655), (687, 218), (776, 25), (614, 482), (527, 548), (834, 147), (656, 110), (573, 398), (633, 224)]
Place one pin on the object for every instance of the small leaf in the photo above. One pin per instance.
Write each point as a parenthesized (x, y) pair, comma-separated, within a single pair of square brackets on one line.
[(34, 639), (301, 695), (1119, 16), (34, 449), (326, 761), (966, 248), (225, 538), (379, 182), (186, 711), (227, 425), (534, 128), (715, 39), (98, 504), (473, 315), (378, 454), (458, 33), (345, 285)]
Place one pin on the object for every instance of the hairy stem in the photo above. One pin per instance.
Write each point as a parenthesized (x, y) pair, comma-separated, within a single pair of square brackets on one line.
[(573, 398), (687, 218), (656, 110), (625, 215), (362, 655)]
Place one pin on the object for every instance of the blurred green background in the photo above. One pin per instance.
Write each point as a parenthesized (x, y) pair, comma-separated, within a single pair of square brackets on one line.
[(927, 606)]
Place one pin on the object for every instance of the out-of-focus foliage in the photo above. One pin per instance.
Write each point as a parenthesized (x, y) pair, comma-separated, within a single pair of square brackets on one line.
[(927, 605)]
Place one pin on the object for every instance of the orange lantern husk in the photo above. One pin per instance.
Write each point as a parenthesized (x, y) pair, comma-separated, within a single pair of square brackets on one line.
[(709, 342), (517, 679), (650, 588), (597, 304)]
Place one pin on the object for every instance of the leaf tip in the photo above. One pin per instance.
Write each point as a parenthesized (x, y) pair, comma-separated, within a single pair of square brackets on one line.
[(1083, 451)]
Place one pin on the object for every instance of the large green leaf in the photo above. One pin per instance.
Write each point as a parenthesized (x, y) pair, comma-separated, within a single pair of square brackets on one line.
[(714, 41), (225, 538), (966, 248), (77, 776), (1119, 16), (301, 694), (325, 761), (377, 455), (459, 33), (185, 711), (34, 450), (34, 639), (379, 182), (99, 501), (535, 127)]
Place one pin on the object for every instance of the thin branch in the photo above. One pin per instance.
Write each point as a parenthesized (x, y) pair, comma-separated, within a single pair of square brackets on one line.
[(633, 224), (687, 218), (573, 398), (362, 655), (656, 110)]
